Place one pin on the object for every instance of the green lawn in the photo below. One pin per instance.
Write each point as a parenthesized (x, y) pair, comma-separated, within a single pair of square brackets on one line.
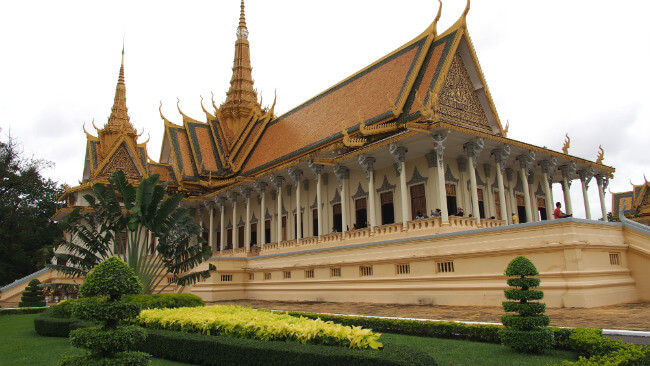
[(20, 345), (451, 352)]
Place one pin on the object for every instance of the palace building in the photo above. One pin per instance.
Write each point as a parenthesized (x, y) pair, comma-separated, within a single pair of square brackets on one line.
[(396, 185)]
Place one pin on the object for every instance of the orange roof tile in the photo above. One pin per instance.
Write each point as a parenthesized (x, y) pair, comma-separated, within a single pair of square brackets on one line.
[(182, 151), (165, 171), (204, 147), (321, 117)]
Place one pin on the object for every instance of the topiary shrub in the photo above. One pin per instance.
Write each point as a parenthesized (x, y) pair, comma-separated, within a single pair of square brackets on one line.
[(108, 344), (526, 331), (32, 296)]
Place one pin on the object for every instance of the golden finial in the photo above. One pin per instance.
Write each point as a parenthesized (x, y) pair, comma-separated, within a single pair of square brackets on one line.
[(466, 11), (567, 144), (84, 128), (601, 155), (242, 16), (148, 137), (435, 21), (140, 132), (95, 127), (505, 130)]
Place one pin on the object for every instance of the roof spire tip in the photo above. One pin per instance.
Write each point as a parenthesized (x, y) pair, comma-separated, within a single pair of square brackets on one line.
[(435, 21)]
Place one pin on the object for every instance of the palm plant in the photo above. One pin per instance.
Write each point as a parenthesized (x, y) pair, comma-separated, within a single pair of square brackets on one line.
[(125, 222)]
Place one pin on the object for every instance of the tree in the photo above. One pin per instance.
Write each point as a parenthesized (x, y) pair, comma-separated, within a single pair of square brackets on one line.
[(108, 344), (27, 201), (526, 331), (32, 296), (126, 222)]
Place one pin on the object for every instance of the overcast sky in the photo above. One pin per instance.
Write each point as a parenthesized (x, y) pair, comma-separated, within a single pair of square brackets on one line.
[(553, 67)]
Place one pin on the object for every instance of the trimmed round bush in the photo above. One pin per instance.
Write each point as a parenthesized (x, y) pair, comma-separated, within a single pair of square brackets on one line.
[(528, 341), (112, 278), (32, 296), (525, 332), (106, 342), (105, 310), (109, 344)]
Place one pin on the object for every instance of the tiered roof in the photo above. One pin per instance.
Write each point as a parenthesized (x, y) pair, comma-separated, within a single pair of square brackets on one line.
[(431, 72)]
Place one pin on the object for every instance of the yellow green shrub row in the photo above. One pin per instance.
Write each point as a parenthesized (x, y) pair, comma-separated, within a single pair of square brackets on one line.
[(237, 321)]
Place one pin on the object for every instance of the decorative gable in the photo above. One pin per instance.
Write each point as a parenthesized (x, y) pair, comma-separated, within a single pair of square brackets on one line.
[(121, 159), (459, 101)]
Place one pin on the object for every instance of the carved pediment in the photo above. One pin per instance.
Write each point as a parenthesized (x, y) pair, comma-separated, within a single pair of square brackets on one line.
[(121, 159), (459, 101)]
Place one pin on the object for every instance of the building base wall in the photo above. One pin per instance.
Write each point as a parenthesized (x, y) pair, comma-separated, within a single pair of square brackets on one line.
[(581, 263)]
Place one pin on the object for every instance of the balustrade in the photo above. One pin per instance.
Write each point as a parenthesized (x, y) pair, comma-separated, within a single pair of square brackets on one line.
[(422, 224)]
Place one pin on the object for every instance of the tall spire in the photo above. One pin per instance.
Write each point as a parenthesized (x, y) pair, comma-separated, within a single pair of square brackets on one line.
[(242, 17), (119, 118), (241, 98)]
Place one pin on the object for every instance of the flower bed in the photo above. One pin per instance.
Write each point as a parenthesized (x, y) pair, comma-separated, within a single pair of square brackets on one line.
[(237, 321)]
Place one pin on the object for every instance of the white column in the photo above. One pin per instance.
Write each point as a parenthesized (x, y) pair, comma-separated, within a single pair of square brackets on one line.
[(246, 193), (222, 205), (567, 175), (404, 194), (512, 201), (585, 176), (342, 174), (372, 199), (260, 188), (548, 167), (316, 170), (367, 164), (439, 148), (500, 157), (277, 182), (473, 150), (211, 232), (525, 161), (602, 181), (533, 198), (399, 156), (232, 197), (296, 175)]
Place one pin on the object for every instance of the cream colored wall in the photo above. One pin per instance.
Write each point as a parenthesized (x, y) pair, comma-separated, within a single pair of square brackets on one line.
[(572, 257)]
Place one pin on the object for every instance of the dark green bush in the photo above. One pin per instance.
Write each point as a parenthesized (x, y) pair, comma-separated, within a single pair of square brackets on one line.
[(525, 322), (22, 311), (165, 301), (528, 295), (595, 350), (528, 341), (64, 308), (524, 332), (106, 342), (53, 327), (32, 296), (121, 359), (105, 310), (112, 278), (218, 350), (524, 309), (109, 344)]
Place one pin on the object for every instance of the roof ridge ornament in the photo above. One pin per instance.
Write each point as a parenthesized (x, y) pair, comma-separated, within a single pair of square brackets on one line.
[(567, 144), (464, 16), (505, 130), (601, 155), (435, 21)]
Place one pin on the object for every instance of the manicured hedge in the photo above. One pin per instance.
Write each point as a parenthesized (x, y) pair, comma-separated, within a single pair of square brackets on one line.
[(19, 311), (165, 301), (593, 348), (435, 329), (218, 350)]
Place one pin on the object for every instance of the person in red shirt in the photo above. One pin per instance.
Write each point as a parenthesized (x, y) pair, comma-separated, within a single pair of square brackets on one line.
[(558, 214)]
